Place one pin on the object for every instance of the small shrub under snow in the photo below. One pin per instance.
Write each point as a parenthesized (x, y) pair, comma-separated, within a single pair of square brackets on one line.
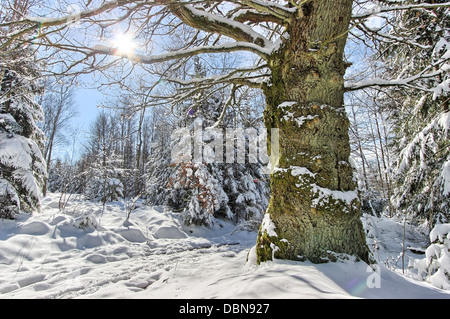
[(435, 267)]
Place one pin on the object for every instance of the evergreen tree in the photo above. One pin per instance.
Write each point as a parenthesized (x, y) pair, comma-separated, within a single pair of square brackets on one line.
[(206, 187), (421, 172), (104, 179), (104, 160), (22, 167)]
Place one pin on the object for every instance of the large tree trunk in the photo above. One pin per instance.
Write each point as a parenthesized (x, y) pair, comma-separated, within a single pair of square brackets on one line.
[(314, 211)]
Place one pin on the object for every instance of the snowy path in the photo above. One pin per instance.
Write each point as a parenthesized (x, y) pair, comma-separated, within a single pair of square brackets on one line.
[(47, 256), (154, 256)]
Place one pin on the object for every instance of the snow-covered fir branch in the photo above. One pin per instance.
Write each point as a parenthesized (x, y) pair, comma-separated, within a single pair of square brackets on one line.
[(376, 10)]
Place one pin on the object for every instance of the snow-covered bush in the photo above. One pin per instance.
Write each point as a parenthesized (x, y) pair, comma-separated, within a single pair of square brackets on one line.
[(85, 222), (104, 190), (435, 267), (204, 193)]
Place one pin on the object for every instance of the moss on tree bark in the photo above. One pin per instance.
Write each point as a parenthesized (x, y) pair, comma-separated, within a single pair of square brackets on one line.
[(314, 205)]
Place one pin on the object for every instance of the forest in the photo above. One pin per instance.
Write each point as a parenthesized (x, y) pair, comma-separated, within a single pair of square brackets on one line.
[(279, 133)]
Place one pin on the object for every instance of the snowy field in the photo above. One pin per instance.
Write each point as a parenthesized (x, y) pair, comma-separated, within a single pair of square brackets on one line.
[(66, 255)]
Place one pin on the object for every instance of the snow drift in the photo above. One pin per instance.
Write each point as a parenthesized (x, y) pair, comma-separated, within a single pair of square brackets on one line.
[(91, 252)]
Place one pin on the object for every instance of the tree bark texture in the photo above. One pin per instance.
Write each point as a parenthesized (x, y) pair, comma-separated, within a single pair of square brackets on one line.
[(314, 205)]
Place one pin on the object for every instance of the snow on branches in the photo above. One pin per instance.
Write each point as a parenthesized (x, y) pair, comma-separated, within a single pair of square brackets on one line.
[(435, 267), (255, 26), (22, 167)]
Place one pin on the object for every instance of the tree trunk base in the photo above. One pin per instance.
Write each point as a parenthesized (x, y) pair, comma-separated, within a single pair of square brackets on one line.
[(340, 244)]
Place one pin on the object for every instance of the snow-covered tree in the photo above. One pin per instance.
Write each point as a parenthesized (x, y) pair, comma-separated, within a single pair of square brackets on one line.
[(248, 192), (104, 180), (205, 194), (159, 168), (420, 111), (22, 167), (103, 162), (57, 176), (205, 188), (59, 109)]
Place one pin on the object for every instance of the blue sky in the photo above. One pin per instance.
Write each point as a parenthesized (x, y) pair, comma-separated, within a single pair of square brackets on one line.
[(86, 101)]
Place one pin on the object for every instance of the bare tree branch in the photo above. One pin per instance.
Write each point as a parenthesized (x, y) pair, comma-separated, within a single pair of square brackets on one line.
[(224, 48), (395, 7), (405, 82), (208, 22)]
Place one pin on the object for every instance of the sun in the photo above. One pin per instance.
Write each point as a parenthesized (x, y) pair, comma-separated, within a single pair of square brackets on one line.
[(124, 44)]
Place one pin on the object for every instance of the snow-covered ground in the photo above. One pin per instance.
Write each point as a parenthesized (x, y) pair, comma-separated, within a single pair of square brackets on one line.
[(66, 255)]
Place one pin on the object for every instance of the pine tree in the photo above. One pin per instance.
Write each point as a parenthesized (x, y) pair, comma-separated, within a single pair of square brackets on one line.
[(202, 186), (423, 121), (104, 159), (104, 179), (22, 167)]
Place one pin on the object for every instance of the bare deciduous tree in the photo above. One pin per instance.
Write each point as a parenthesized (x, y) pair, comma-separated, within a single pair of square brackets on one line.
[(59, 109)]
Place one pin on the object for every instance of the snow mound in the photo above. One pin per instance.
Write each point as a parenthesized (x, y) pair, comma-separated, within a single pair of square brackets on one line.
[(35, 228), (132, 235), (169, 232)]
